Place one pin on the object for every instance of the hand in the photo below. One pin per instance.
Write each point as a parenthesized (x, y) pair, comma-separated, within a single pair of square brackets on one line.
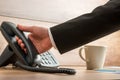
[(38, 35)]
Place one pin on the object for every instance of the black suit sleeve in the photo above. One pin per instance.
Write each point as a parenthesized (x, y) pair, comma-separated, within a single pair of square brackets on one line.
[(102, 21)]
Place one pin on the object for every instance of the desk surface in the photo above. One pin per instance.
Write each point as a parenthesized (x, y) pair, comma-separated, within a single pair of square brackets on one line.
[(82, 74)]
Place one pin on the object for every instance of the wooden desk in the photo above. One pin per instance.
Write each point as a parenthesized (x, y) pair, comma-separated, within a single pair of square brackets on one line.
[(82, 74)]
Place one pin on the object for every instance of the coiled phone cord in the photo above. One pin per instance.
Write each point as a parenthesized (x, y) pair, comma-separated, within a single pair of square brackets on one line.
[(46, 69)]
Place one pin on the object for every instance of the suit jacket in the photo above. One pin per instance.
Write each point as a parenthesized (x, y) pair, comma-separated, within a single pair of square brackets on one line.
[(102, 21)]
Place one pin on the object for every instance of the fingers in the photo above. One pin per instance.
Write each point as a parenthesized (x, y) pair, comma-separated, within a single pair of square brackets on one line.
[(21, 44), (17, 38), (25, 28)]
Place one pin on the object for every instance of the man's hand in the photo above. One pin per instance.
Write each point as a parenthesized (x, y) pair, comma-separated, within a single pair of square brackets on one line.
[(38, 35)]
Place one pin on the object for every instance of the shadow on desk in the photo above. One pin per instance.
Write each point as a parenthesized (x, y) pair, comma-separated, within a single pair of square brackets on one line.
[(82, 74)]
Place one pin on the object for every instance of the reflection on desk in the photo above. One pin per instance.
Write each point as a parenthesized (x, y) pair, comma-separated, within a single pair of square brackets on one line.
[(82, 74)]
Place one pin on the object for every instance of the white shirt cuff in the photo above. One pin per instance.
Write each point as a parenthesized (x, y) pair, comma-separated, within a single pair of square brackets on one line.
[(51, 38)]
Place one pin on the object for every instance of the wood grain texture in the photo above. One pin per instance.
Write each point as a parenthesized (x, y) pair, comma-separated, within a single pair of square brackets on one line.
[(82, 74)]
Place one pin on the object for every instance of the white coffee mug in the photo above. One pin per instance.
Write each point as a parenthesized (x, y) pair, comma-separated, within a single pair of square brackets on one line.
[(94, 56)]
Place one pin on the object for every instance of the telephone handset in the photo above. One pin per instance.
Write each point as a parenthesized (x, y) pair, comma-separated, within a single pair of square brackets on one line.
[(31, 61), (28, 58)]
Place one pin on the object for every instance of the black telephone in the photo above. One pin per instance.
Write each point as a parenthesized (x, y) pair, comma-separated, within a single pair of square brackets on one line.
[(32, 61)]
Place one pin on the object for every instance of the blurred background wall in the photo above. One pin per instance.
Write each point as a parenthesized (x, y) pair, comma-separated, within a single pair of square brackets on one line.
[(48, 10)]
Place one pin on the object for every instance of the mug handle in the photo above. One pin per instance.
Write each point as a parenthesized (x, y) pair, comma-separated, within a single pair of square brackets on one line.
[(80, 53)]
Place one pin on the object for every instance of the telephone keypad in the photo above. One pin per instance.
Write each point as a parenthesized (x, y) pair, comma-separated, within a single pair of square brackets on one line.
[(48, 60)]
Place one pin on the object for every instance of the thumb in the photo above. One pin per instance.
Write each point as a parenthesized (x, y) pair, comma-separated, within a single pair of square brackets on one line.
[(25, 28)]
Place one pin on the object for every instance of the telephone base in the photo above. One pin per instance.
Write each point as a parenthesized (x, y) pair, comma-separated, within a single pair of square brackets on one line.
[(7, 57)]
